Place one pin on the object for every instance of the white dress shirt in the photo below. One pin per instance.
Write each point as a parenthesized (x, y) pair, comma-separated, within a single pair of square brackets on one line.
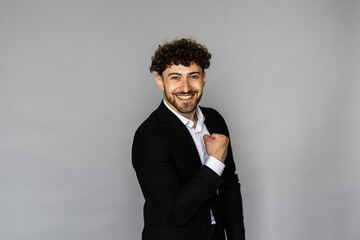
[(197, 134)]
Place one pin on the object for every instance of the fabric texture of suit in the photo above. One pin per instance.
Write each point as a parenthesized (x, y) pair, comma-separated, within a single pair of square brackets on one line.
[(179, 191)]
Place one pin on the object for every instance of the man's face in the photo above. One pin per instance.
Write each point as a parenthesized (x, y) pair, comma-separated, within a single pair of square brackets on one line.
[(182, 86)]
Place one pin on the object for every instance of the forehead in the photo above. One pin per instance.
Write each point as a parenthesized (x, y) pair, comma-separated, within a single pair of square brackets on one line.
[(181, 69)]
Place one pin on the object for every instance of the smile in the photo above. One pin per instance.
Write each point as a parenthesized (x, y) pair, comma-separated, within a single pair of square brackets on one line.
[(185, 97)]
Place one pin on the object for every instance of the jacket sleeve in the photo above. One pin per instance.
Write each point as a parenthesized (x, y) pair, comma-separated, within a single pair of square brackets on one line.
[(230, 195), (231, 201), (159, 180)]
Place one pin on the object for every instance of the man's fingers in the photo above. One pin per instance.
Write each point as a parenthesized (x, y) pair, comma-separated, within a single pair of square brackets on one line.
[(217, 135), (214, 135), (206, 137)]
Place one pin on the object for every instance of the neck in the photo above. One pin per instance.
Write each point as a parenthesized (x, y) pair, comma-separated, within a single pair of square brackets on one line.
[(192, 116)]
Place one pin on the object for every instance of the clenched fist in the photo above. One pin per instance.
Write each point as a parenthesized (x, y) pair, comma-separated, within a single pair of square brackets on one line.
[(217, 146)]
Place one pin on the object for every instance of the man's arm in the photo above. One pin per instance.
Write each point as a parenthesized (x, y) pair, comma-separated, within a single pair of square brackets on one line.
[(230, 195), (230, 198), (158, 177)]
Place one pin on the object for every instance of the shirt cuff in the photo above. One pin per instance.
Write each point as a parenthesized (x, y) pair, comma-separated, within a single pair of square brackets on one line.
[(215, 165)]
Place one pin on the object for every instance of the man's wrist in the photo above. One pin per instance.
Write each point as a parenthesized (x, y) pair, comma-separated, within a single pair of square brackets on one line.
[(214, 164)]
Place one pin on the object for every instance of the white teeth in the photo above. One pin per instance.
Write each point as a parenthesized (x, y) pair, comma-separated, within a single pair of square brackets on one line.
[(184, 97)]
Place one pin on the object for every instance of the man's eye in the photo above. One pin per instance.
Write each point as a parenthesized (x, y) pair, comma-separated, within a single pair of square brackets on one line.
[(175, 78), (194, 76)]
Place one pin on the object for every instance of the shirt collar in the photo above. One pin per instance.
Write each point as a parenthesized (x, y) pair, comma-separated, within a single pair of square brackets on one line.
[(187, 122)]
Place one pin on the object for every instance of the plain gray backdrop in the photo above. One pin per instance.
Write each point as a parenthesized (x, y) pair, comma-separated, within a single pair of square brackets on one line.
[(75, 85)]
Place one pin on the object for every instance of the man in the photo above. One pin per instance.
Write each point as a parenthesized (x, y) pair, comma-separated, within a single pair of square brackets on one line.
[(182, 156)]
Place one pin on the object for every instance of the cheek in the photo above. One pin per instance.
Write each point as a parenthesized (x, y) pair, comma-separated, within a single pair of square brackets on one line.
[(170, 88), (199, 86), (174, 87)]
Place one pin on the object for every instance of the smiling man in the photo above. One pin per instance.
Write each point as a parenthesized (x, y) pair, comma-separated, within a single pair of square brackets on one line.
[(182, 88), (182, 155)]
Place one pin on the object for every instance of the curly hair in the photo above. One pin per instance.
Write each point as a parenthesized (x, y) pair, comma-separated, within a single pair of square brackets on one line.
[(183, 51)]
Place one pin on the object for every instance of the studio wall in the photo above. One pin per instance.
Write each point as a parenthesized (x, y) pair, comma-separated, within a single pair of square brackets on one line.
[(75, 84)]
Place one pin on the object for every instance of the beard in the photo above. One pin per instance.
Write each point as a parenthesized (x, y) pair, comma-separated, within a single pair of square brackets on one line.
[(184, 107)]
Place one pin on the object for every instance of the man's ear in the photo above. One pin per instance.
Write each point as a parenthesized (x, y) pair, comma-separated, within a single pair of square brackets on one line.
[(159, 81)]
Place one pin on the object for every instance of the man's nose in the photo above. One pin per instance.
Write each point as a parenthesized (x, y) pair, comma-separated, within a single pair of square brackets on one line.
[(186, 87)]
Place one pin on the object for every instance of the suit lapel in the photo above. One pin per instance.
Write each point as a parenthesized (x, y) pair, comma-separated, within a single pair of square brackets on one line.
[(210, 122), (179, 134)]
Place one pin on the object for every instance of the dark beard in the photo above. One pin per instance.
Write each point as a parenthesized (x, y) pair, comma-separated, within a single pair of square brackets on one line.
[(187, 107)]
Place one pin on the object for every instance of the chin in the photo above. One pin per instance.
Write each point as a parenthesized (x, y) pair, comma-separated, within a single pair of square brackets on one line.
[(187, 109)]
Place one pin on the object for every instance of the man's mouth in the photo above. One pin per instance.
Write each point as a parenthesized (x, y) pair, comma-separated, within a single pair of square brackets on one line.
[(185, 96)]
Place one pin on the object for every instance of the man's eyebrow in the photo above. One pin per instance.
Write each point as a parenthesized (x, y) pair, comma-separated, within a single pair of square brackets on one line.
[(179, 74), (174, 74), (194, 73)]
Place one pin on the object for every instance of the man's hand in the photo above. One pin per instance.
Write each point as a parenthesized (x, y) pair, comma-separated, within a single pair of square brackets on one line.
[(217, 145)]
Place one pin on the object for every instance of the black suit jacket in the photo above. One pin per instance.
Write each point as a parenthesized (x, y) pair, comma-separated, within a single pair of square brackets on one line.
[(178, 190)]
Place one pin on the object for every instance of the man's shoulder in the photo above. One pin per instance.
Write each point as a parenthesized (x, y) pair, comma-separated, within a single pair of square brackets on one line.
[(150, 125), (214, 121), (209, 112)]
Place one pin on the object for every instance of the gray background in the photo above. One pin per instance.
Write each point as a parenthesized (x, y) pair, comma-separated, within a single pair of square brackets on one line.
[(75, 85)]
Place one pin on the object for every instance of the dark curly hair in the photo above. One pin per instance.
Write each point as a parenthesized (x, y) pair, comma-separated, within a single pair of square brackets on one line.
[(183, 51)]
